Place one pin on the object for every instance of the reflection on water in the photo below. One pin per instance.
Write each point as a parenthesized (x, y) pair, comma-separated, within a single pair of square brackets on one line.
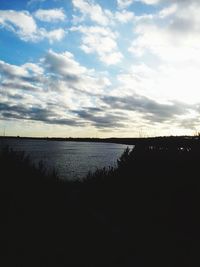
[(71, 159)]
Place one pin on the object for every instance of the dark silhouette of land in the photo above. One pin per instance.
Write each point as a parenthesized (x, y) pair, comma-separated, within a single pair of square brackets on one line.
[(176, 140), (145, 212)]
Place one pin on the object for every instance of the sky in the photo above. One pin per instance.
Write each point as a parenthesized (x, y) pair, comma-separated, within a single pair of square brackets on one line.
[(98, 68)]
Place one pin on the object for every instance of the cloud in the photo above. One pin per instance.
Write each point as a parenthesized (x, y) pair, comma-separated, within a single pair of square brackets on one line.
[(50, 90), (98, 15), (172, 35), (28, 77), (19, 22), (28, 72), (168, 11), (161, 64), (102, 41), (124, 16), (155, 2), (33, 68), (63, 64), (73, 74), (21, 86), (12, 70), (124, 3), (165, 82), (24, 26), (56, 90), (92, 10), (101, 37), (150, 109), (34, 114), (151, 2), (55, 70), (68, 95), (170, 41), (52, 36), (102, 120), (50, 15)]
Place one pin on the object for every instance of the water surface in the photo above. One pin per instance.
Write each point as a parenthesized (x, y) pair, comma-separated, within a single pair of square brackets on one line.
[(71, 159)]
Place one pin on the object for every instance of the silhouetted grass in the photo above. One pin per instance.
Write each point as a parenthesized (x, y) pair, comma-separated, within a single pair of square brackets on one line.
[(143, 212)]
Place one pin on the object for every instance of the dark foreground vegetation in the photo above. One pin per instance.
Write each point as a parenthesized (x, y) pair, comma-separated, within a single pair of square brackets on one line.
[(143, 213)]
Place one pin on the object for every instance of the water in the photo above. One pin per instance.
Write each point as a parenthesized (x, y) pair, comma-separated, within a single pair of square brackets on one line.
[(72, 160)]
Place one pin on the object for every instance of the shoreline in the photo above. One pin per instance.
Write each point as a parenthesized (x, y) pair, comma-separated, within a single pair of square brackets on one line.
[(161, 140)]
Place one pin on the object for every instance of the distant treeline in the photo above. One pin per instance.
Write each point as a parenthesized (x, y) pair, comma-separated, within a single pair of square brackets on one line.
[(166, 140)]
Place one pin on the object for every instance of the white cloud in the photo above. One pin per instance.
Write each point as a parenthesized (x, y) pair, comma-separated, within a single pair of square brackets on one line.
[(97, 14), (55, 72), (12, 70), (111, 58), (124, 3), (58, 90), (150, 2), (24, 26), (101, 38), (33, 68), (124, 16), (93, 11), (172, 40), (102, 41), (20, 22), (25, 76), (168, 11), (74, 75), (180, 2), (164, 83), (63, 64), (50, 15), (52, 36)]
